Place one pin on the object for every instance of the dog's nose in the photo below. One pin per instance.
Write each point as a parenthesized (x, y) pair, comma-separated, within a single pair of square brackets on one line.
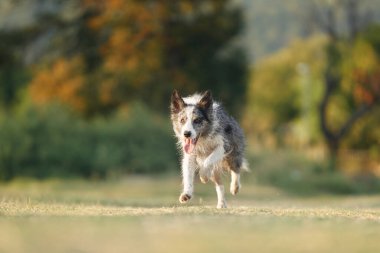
[(187, 134)]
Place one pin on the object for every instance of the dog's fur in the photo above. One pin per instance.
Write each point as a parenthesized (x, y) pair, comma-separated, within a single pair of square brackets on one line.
[(211, 141)]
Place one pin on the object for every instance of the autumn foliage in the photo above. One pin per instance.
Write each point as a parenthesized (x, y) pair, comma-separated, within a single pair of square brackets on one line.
[(367, 88), (63, 82), (144, 50)]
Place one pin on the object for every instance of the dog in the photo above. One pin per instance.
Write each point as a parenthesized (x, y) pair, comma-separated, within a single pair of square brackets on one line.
[(211, 142)]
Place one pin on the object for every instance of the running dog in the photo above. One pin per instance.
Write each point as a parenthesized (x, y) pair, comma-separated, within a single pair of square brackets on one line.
[(211, 142)]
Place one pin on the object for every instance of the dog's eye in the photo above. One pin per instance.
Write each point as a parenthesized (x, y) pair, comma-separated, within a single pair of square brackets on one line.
[(197, 121), (183, 120)]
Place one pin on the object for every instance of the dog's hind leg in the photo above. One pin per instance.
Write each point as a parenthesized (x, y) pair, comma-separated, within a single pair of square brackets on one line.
[(215, 177), (234, 166), (235, 182)]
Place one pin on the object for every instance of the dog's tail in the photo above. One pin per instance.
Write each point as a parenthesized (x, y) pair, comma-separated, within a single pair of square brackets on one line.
[(245, 166)]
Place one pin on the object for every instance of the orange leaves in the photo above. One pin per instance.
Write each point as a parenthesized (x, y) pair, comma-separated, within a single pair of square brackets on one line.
[(367, 86), (134, 43), (107, 91), (186, 7), (128, 35), (62, 82), (133, 49), (361, 72)]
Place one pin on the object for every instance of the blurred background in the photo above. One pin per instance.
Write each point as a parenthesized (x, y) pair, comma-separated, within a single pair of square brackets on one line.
[(85, 86)]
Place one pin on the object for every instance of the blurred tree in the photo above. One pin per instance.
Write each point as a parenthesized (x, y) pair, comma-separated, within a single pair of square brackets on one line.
[(13, 72), (283, 95), (63, 81), (144, 49), (362, 75), (47, 34), (65, 71), (200, 52), (361, 93)]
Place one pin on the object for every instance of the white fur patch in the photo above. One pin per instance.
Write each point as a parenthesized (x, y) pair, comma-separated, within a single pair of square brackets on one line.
[(215, 157), (188, 170), (193, 99), (235, 183), (188, 126), (215, 144), (220, 193), (210, 161)]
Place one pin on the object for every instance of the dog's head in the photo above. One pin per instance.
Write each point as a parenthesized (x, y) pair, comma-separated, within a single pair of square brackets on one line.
[(191, 117)]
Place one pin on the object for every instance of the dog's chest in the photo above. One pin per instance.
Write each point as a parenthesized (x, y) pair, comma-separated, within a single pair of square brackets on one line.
[(206, 146)]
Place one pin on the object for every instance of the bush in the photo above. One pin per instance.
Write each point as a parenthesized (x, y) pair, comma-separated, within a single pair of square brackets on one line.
[(54, 142)]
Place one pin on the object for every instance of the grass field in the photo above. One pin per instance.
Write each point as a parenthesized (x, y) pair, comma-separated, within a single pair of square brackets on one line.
[(141, 214)]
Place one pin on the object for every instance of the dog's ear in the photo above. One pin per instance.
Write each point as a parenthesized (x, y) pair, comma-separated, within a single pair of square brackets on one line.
[(206, 101), (177, 103)]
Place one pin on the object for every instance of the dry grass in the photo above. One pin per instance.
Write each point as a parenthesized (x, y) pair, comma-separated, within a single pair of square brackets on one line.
[(19, 209), (142, 215)]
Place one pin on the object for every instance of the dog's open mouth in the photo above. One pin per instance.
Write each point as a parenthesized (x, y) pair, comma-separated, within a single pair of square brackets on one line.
[(190, 145)]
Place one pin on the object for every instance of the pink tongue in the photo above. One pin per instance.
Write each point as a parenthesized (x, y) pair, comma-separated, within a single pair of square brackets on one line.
[(189, 146)]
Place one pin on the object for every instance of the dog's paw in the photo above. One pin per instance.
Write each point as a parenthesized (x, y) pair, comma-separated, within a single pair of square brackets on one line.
[(204, 179), (234, 188), (221, 204), (184, 198), (204, 175)]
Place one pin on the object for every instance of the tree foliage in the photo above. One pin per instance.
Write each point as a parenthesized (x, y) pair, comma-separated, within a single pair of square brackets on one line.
[(63, 81), (284, 91), (143, 50), (349, 78), (13, 73)]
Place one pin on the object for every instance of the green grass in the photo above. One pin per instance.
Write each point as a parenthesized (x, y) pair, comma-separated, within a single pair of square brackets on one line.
[(141, 214)]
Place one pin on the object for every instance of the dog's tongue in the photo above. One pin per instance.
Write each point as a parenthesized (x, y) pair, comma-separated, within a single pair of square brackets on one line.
[(189, 145)]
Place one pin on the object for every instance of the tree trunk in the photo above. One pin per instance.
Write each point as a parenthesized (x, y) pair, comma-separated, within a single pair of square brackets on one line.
[(333, 148), (331, 138)]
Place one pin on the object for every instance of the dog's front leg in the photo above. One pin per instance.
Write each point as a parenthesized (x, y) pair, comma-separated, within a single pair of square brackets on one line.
[(215, 157), (188, 171)]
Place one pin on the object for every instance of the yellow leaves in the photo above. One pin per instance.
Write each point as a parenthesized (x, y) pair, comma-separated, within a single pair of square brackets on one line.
[(186, 7), (132, 63), (116, 4), (62, 82), (364, 56), (121, 39)]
